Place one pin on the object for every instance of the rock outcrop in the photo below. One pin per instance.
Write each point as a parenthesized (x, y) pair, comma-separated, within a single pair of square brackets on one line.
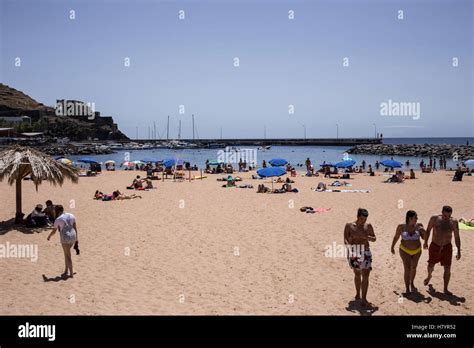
[(455, 152)]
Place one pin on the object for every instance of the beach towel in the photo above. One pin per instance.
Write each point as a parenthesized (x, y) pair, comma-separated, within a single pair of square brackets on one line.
[(322, 210), (463, 226), (359, 191)]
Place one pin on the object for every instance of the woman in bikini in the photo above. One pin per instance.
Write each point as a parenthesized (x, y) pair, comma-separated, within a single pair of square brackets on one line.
[(410, 247)]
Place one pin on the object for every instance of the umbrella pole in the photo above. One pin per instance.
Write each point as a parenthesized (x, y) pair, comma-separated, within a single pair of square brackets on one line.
[(19, 215)]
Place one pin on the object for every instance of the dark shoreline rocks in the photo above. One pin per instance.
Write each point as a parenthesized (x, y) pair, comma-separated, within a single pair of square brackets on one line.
[(62, 150), (463, 152)]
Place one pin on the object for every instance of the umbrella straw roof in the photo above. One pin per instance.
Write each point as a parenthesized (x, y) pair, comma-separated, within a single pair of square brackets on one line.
[(17, 162)]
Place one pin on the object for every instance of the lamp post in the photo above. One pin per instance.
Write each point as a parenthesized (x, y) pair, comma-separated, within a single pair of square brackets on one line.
[(337, 131), (304, 128), (375, 129)]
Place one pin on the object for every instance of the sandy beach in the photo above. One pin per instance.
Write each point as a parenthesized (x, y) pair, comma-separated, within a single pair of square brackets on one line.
[(197, 248)]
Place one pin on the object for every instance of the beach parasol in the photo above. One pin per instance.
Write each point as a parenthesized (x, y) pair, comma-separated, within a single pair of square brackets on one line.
[(17, 162), (469, 163), (65, 161), (391, 163), (278, 162), (172, 162), (87, 160), (127, 164), (345, 164), (214, 163)]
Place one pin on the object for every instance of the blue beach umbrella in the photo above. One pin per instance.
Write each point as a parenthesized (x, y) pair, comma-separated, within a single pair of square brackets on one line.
[(345, 164), (271, 171), (87, 160), (171, 162), (278, 162), (391, 163), (214, 163), (469, 163)]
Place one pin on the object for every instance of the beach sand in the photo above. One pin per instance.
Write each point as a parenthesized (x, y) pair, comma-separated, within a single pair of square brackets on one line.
[(197, 248)]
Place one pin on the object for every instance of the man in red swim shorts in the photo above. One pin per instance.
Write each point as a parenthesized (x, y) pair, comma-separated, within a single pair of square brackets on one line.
[(441, 249)]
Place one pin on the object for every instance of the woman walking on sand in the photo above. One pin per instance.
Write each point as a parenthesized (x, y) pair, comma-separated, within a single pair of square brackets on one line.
[(411, 233), (66, 224)]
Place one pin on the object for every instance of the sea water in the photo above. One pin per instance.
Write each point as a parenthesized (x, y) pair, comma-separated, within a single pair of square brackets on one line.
[(293, 154)]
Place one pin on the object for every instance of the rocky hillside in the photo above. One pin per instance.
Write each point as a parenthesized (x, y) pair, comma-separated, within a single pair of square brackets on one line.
[(14, 102), (44, 119)]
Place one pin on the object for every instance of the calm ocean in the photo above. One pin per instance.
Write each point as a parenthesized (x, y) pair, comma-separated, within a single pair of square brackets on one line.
[(294, 154)]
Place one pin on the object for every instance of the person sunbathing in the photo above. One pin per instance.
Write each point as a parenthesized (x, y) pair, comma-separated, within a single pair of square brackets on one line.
[(149, 184), (98, 195), (288, 188), (262, 189), (137, 183), (321, 187), (467, 222), (117, 195)]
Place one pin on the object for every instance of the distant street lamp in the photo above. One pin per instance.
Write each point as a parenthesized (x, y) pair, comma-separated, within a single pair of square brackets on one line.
[(337, 131), (375, 126)]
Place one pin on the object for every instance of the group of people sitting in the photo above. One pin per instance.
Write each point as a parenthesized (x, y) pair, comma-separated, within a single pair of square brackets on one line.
[(40, 217), (115, 196), (286, 187), (400, 177), (141, 184)]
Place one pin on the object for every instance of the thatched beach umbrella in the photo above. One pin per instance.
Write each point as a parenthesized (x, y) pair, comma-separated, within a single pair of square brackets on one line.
[(17, 162)]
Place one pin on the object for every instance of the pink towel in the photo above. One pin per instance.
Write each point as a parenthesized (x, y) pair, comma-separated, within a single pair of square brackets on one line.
[(322, 210)]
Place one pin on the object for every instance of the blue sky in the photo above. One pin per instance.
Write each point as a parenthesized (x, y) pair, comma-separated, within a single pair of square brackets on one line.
[(283, 62)]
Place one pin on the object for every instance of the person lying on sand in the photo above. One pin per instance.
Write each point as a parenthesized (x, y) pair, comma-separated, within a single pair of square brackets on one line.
[(467, 222), (117, 195), (288, 188), (262, 189), (357, 236), (441, 249), (411, 233)]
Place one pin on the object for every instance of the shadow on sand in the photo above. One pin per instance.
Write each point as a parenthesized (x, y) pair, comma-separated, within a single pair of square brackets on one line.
[(9, 225), (356, 306), (416, 297), (451, 298), (57, 278)]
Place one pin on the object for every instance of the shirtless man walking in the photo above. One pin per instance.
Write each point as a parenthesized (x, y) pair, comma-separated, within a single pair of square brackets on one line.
[(357, 236), (441, 249)]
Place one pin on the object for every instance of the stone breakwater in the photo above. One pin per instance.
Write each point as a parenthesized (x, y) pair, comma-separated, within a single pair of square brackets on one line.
[(63, 150), (454, 152)]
